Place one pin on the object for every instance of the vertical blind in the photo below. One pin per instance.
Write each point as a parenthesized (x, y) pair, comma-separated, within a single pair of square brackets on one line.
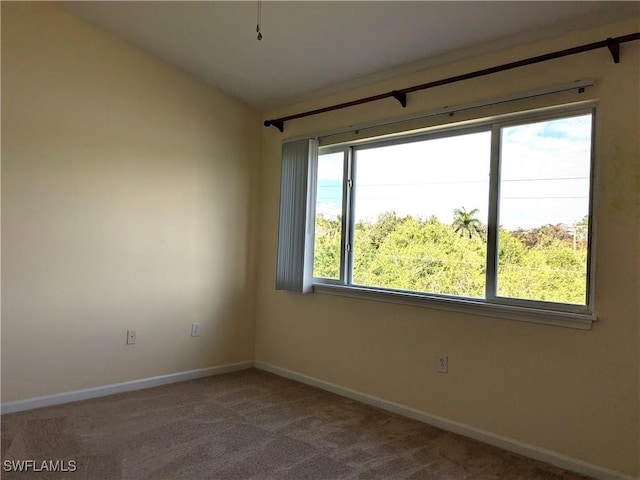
[(294, 268)]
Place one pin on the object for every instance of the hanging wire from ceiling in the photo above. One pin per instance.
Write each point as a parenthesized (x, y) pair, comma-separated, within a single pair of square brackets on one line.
[(259, 20)]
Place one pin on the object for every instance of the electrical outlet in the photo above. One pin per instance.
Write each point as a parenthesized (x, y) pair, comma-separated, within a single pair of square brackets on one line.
[(195, 329), (131, 337), (443, 364)]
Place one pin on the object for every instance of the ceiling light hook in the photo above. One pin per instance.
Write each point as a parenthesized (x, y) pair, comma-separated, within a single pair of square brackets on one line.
[(259, 21)]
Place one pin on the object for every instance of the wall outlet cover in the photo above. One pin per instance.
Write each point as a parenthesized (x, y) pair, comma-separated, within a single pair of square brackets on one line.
[(195, 329), (443, 364)]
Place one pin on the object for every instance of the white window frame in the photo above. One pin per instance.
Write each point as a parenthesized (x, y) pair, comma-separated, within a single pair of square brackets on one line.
[(569, 315)]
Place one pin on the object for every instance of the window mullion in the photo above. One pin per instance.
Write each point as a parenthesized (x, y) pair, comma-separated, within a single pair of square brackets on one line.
[(349, 205), (344, 240), (492, 227), (590, 290)]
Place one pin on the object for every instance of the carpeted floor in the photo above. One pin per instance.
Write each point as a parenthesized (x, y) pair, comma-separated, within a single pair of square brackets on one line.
[(248, 425)]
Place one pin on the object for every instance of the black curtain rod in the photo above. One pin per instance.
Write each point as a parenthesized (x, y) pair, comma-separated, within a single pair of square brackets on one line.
[(613, 44)]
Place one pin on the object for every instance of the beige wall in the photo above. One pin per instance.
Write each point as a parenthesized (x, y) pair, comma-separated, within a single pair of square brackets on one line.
[(573, 392), (126, 191)]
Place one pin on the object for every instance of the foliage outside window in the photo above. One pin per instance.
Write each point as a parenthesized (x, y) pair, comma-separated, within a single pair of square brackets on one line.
[(497, 213)]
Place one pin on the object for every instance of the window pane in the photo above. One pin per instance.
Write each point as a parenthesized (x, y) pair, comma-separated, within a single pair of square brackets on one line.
[(420, 215), (327, 249), (544, 210)]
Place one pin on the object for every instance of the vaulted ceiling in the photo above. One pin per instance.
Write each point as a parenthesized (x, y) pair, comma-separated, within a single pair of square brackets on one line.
[(314, 48)]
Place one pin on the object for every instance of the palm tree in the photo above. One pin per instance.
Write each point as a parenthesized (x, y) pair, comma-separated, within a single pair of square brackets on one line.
[(465, 223)]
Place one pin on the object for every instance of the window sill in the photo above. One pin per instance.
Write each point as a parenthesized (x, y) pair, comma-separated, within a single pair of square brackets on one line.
[(462, 305)]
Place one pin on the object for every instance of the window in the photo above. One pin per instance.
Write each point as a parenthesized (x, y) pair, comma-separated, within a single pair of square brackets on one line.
[(544, 210), (329, 245), (495, 214), (404, 197)]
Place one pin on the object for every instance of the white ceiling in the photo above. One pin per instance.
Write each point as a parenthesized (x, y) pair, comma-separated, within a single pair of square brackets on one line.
[(313, 48)]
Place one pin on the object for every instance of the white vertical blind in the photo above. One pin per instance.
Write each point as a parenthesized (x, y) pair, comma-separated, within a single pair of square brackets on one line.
[(294, 269)]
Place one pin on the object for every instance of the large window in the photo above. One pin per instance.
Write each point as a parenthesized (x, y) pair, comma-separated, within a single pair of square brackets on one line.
[(497, 213)]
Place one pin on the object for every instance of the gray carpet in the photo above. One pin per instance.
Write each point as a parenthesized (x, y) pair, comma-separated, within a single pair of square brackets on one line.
[(248, 425)]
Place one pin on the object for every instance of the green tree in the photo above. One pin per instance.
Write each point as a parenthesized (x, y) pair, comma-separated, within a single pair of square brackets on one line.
[(466, 224), (581, 233), (541, 264), (426, 255), (421, 256), (326, 263)]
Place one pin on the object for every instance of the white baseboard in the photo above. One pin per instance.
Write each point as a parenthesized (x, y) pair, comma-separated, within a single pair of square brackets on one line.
[(506, 443), (84, 394)]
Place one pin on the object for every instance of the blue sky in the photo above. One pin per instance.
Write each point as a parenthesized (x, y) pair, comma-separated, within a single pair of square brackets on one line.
[(544, 176)]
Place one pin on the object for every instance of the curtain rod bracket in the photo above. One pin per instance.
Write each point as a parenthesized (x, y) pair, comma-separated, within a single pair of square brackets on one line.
[(279, 124), (614, 48), (401, 97)]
